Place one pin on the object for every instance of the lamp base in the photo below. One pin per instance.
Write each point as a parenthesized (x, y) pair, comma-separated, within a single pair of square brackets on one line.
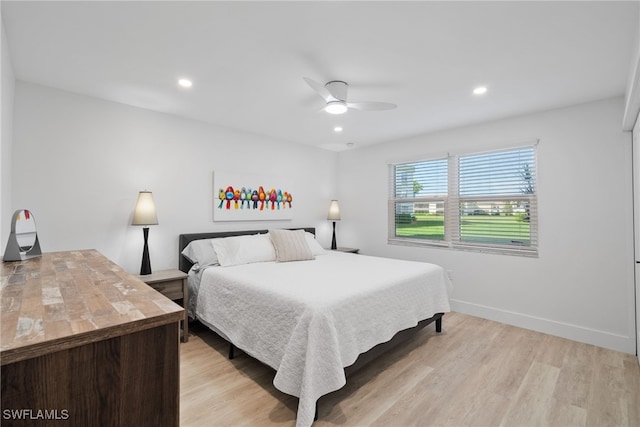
[(146, 262), (334, 245)]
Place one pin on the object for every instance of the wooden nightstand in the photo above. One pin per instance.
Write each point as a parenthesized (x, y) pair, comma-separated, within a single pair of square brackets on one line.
[(172, 284), (348, 250)]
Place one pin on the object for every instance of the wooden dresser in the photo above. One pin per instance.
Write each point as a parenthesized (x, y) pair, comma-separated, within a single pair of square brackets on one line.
[(87, 344)]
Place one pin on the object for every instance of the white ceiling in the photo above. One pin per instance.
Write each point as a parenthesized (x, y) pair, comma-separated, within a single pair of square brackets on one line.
[(247, 59)]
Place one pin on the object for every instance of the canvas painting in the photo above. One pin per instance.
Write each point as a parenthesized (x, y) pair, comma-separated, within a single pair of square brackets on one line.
[(246, 197)]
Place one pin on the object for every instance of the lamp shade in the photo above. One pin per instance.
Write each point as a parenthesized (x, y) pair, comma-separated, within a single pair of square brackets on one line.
[(334, 211), (145, 213)]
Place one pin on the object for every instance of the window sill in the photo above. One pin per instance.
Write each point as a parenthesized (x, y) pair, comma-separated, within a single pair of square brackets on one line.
[(496, 250)]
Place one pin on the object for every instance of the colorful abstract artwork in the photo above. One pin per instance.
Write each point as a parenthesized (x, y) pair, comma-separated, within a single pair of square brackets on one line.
[(254, 199), (250, 198)]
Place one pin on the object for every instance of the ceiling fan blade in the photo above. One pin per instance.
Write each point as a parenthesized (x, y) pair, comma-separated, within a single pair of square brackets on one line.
[(322, 91), (371, 106)]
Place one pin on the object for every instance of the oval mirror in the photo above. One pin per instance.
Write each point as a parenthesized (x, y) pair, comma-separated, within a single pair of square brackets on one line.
[(25, 230), (23, 241)]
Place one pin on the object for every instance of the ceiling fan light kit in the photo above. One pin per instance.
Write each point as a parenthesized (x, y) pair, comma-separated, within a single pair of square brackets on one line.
[(336, 107), (335, 95)]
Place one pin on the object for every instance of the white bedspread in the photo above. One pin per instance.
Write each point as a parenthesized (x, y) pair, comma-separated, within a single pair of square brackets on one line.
[(310, 319)]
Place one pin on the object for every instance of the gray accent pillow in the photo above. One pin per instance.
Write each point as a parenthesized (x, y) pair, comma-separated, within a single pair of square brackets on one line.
[(290, 245)]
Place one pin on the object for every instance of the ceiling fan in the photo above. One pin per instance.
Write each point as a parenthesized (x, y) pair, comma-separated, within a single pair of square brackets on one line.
[(335, 94)]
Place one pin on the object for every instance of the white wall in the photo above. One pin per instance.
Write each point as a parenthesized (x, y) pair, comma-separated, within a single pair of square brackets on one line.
[(7, 85), (581, 285), (79, 162), (632, 98)]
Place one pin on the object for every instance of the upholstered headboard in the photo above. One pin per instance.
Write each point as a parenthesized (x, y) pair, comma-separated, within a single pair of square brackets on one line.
[(184, 239)]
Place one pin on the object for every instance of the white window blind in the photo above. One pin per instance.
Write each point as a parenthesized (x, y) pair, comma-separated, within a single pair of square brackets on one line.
[(417, 205), (483, 201)]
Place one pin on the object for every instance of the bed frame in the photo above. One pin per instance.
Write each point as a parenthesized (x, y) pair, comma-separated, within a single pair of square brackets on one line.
[(364, 358)]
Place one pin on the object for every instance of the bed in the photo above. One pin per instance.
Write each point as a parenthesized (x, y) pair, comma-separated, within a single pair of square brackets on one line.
[(312, 318)]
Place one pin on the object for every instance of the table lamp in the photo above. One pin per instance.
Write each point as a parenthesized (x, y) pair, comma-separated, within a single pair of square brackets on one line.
[(145, 215), (334, 215)]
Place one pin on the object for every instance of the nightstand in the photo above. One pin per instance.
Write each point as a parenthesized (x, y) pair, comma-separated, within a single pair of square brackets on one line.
[(348, 250), (172, 284)]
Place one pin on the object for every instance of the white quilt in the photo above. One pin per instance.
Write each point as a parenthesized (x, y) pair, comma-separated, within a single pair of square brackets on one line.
[(310, 319)]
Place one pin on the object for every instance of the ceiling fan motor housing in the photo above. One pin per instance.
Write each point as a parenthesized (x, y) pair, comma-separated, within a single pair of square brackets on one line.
[(337, 89)]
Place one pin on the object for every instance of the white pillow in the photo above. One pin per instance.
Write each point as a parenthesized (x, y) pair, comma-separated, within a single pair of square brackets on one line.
[(239, 250), (315, 247), (200, 253), (290, 245)]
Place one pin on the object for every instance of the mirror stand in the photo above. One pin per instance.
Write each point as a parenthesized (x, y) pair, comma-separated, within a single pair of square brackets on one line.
[(25, 231)]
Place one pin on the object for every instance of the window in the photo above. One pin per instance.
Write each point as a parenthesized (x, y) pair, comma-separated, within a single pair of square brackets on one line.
[(419, 195), (484, 201)]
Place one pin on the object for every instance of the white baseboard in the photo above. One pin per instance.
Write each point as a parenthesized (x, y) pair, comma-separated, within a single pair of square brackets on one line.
[(604, 339)]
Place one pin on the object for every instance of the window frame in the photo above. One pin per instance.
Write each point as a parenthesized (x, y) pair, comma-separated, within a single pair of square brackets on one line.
[(429, 198), (453, 218)]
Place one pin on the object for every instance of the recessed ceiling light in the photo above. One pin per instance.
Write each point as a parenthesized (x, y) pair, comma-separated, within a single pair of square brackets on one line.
[(480, 90), (185, 83), (337, 129)]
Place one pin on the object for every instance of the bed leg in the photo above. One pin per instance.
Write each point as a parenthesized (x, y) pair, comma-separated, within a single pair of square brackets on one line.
[(439, 324), (231, 349)]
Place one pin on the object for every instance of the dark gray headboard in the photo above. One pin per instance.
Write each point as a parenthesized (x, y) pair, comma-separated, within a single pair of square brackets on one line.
[(184, 239)]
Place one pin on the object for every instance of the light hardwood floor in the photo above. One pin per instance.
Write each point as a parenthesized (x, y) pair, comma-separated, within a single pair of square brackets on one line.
[(475, 373)]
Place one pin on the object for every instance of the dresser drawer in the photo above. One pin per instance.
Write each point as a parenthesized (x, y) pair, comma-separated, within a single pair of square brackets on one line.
[(172, 289)]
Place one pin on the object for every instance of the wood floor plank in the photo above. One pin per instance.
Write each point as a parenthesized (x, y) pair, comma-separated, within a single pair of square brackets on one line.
[(608, 400), (563, 414), (475, 373), (632, 385), (375, 397), (532, 403), (511, 357), (552, 351), (576, 375)]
